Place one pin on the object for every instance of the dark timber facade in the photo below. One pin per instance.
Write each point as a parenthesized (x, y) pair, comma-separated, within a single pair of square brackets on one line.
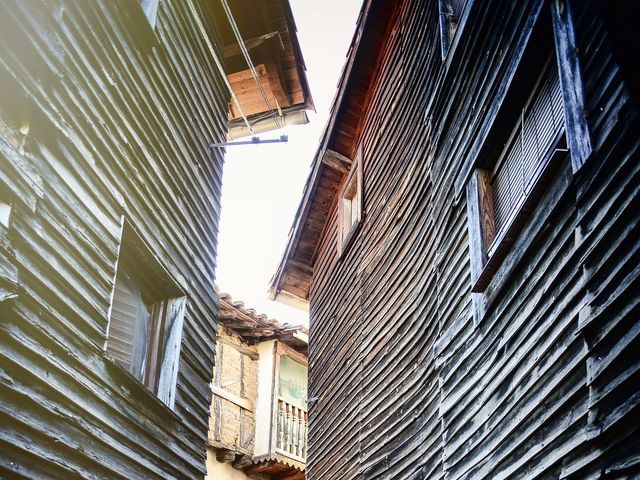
[(109, 208), (475, 314)]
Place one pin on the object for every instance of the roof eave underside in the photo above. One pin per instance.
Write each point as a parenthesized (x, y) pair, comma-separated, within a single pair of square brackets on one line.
[(293, 277)]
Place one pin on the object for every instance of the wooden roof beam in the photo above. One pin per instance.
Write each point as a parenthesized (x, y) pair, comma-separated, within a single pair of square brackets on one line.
[(242, 461), (302, 267), (224, 455), (336, 161), (234, 48)]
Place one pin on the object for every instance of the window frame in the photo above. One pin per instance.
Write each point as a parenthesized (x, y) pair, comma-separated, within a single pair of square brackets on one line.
[(353, 180), (481, 226), (283, 350), (9, 278), (489, 244), (167, 310), (560, 18), (287, 352)]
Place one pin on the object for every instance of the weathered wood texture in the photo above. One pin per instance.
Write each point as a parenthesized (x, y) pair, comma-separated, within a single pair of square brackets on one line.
[(577, 128), (269, 33), (278, 58), (545, 384), (371, 361), (103, 117), (246, 403)]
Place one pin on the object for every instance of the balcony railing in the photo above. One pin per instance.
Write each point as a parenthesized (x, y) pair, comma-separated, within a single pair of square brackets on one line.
[(291, 434)]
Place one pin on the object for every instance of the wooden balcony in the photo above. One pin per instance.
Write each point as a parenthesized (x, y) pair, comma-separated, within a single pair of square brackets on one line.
[(291, 431)]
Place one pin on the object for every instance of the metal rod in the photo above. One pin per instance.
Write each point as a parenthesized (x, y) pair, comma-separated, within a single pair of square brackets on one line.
[(212, 50), (253, 141), (250, 64)]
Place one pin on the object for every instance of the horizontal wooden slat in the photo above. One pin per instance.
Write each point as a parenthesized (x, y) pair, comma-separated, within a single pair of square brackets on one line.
[(235, 399), (412, 374), (114, 119)]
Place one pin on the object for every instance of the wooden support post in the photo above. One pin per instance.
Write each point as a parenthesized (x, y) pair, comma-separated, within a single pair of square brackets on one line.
[(223, 455), (578, 137), (242, 461)]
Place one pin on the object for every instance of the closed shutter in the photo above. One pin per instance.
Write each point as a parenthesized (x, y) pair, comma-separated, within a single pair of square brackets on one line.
[(128, 325), (174, 321), (529, 148)]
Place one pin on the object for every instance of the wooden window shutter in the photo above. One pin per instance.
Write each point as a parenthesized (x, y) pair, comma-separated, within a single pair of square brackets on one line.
[(174, 320), (5, 213), (529, 148), (128, 326), (573, 89)]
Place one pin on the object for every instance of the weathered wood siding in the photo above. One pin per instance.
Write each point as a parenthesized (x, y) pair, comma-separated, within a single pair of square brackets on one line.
[(119, 118), (373, 312), (545, 384)]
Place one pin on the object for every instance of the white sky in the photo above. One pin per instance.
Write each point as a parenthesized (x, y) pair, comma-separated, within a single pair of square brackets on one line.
[(262, 185)]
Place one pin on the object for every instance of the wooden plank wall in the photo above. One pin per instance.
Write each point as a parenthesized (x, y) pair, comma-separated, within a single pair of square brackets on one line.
[(545, 385), (373, 312), (118, 119)]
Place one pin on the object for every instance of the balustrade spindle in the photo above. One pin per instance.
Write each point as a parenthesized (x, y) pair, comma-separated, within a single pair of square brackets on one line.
[(304, 443), (296, 427), (287, 430), (300, 432), (291, 434), (280, 427), (294, 433)]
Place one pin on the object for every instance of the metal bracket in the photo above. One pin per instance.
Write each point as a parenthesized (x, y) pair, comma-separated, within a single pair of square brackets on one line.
[(253, 141)]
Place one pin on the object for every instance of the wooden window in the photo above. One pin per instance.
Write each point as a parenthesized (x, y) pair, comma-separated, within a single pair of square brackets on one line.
[(502, 196), (145, 324), (150, 8), (450, 15), (351, 202), (528, 150), (292, 381), (5, 215), (129, 325)]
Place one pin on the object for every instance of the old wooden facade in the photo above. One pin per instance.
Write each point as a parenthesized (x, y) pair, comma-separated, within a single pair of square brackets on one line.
[(268, 32), (468, 245), (258, 424), (109, 207)]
